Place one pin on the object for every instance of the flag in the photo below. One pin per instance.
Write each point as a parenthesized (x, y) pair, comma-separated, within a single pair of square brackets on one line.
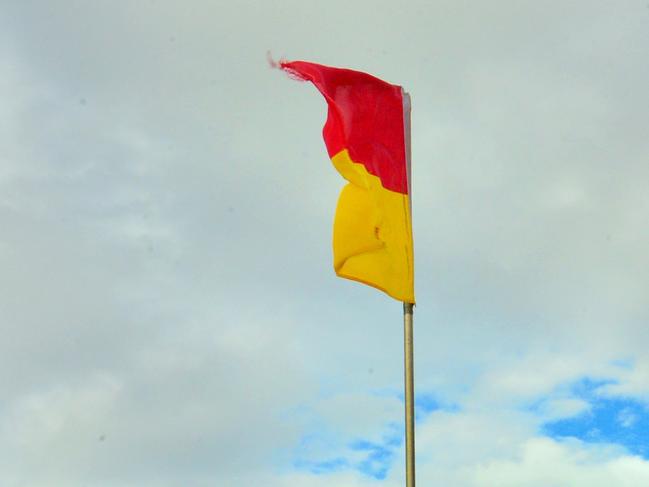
[(365, 136)]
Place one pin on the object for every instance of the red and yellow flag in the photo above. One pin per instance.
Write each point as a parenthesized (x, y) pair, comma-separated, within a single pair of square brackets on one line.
[(365, 135)]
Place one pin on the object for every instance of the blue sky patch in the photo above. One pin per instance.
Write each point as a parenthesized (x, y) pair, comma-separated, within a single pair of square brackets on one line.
[(378, 456), (426, 403), (322, 467), (372, 458), (616, 420)]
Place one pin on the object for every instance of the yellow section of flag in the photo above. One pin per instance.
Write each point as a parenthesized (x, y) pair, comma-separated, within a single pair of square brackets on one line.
[(372, 232)]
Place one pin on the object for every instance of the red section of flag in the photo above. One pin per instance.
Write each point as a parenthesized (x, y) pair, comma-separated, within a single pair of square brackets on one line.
[(365, 117)]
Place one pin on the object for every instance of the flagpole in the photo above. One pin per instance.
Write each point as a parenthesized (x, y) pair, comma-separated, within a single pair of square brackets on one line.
[(408, 355), (409, 383)]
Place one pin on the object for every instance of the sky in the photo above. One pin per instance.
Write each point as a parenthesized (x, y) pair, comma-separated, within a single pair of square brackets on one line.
[(168, 309)]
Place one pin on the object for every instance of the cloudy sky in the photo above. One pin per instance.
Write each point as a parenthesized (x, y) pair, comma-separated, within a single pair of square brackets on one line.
[(168, 309)]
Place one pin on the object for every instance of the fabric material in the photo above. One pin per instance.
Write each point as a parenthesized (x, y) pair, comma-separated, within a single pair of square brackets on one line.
[(365, 138)]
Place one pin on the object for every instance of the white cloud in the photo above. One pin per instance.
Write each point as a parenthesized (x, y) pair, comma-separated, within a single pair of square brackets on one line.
[(627, 418), (633, 381), (544, 462), (564, 408)]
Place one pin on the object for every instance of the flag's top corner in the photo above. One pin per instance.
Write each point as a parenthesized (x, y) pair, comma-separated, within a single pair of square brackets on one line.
[(318, 73)]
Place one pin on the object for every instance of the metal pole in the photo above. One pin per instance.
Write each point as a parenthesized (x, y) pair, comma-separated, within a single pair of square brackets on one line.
[(409, 393)]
